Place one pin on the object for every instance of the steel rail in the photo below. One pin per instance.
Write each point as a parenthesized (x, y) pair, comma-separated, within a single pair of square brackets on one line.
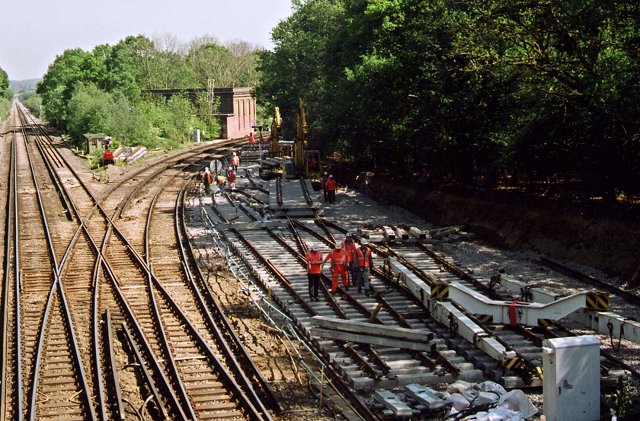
[(361, 407), (254, 184), (11, 212), (110, 226), (111, 360), (164, 340), (144, 265), (210, 303), (305, 191), (626, 295), (68, 319), (129, 313), (53, 176)]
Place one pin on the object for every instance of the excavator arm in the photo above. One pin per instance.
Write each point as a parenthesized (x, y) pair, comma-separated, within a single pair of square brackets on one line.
[(275, 133)]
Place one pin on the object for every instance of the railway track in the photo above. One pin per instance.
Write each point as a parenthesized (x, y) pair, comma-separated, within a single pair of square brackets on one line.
[(124, 321), (272, 251), (97, 284)]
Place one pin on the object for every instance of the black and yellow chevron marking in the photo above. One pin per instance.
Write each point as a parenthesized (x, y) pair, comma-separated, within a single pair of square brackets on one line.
[(440, 291), (597, 300), (514, 363), (484, 318), (546, 322)]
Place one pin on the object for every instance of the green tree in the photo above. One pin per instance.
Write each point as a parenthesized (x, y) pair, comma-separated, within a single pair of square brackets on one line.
[(64, 74), (4, 81), (296, 67)]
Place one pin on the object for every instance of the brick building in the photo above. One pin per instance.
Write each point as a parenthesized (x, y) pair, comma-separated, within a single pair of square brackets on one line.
[(236, 113)]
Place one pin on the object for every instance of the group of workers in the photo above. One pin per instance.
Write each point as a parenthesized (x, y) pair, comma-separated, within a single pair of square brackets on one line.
[(329, 186), (220, 181), (348, 261)]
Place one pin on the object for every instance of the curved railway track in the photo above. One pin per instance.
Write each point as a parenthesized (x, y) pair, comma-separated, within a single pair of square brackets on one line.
[(89, 265)]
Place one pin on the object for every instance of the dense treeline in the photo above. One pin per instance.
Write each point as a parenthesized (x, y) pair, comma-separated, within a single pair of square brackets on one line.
[(5, 94), (101, 91), (492, 92)]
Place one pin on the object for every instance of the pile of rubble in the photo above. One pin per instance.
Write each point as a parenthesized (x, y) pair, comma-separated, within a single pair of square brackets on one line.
[(486, 401)]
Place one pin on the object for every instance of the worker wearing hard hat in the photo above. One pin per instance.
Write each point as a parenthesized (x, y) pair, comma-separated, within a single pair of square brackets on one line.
[(349, 247), (338, 267), (364, 261), (331, 185), (232, 179), (314, 268), (235, 161)]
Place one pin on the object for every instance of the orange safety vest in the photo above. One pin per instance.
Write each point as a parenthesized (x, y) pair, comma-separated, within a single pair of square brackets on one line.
[(338, 259), (251, 139), (235, 160), (349, 248), (364, 260), (314, 262), (232, 176), (331, 184), (207, 178)]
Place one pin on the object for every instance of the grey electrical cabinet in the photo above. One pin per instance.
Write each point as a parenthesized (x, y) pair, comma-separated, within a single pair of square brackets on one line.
[(571, 384)]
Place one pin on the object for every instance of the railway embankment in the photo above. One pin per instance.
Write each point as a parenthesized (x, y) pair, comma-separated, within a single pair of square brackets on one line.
[(604, 238)]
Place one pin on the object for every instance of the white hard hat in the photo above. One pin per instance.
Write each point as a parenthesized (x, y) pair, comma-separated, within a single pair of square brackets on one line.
[(364, 242), (338, 246), (313, 247), (234, 154), (349, 234)]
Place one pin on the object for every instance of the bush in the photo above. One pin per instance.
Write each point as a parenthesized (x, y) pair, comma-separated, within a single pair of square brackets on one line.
[(33, 102), (92, 110)]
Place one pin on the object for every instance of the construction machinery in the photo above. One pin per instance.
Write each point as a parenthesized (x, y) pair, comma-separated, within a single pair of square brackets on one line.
[(273, 166), (292, 159), (306, 163)]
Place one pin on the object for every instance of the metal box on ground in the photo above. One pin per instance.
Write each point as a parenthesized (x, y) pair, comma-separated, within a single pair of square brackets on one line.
[(572, 378)]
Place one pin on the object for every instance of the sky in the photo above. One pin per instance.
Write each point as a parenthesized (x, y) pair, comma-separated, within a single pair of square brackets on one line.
[(34, 32)]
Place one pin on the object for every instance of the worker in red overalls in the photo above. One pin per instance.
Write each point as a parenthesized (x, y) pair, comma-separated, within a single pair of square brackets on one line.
[(331, 185), (338, 267), (314, 268)]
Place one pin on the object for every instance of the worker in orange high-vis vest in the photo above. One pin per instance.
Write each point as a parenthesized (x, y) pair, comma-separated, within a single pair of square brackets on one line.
[(364, 261), (314, 268), (338, 267)]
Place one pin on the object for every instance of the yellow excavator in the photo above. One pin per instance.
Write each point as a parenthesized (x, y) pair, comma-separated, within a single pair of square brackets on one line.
[(273, 166), (306, 163), (292, 159)]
